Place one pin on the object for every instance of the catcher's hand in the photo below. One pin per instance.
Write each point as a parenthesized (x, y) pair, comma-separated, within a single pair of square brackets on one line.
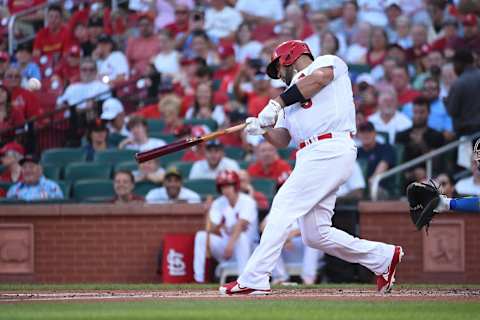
[(423, 199)]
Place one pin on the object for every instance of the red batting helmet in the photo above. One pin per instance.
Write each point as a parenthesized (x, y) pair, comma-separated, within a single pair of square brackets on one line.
[(286, 54), (228, 177)]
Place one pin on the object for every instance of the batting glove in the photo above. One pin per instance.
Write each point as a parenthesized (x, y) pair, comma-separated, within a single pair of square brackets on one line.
[(253, 127), (268, 116)]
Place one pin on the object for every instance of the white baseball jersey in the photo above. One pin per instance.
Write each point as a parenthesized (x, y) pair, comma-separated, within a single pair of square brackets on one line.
[(221, 213), (330, 110)]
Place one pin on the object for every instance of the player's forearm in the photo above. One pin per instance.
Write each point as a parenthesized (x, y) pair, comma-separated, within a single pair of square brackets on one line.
[(237, 230), (279, 137)]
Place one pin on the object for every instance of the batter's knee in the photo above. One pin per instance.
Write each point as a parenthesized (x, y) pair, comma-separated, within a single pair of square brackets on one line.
[(317, 238)]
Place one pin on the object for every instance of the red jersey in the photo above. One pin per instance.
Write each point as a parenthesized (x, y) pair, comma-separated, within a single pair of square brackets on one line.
[(279, 170), (150, 112), (7, 177), (407, 96), (226, 77), (192, 156), (16, 118), (176, 29), (256, 103), (49, 43), (15, 6), (24, 101), (67, 73)]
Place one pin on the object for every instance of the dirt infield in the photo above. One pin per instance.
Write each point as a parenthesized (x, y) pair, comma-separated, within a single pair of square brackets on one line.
[(401, 294)]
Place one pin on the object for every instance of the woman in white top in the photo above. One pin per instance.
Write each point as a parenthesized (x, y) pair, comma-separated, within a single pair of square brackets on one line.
[(245, 47), (203, 107), (167, 61)]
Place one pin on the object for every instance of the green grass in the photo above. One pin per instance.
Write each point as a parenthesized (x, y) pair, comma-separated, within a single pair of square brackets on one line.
[(227, 308), (160, 286)]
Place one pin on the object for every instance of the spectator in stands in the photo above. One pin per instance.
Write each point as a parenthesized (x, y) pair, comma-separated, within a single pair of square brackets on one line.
[(180, 26), (170, 109), (270, 11), (28, 68), (330, 44), (84, 93), (51, 40), (123, 185), (354, 187), (95, 28), (11, 154), (259, 96), (378, 47), (438, 117), (463, 99), (167, 12), (200, 46), (232, 225), (365, 94), (401, 83), (214, 163), (204, 107), (167, 61), (419, 34), (139, 139), (247, 187), (142, 49), (421, 138), (447, 79), (221, 21), (34, 186), (173, 190), (9, 116), (347, 24), (112, 64), (227, 70), (81, 38), (402, 32), (446, 185), (388, 119), (268, 164), (67, 71), (373, 12), (430, 67), (294, 13), (245, 47), (24, 101), (470, 186), (114, 114), (356, 52), (471, 34), (393, 10), (319, 22), (149, 171), (97, 137), (4, 63), (379, 157)]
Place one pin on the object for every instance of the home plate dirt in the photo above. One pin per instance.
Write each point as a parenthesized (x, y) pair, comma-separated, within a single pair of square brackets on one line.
[(404, 294)]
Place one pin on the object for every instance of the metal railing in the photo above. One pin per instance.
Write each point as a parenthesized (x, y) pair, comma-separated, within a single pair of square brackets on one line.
[(414, 162)]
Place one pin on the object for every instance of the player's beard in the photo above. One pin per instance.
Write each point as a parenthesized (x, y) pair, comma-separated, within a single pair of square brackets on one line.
[(289, 73)]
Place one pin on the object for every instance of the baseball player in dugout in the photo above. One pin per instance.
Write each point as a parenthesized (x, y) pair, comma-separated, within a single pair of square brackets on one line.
[(317, 113), (232, 227)]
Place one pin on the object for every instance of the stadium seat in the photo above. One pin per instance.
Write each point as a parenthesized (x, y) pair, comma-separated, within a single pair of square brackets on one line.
[(183, 167), (266, 186), (66, 187), (212, 124), (243, 164), (87, 170), (92, 188), (51, 171), (203, 187), (126, 165), (62, 156), (155, 125), (235, 153), (113, 156), (114, 139), (142, 188), (285, 153), (168, 138)]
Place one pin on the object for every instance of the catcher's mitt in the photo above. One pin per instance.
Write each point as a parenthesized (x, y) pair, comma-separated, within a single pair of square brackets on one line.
[(423, 199)]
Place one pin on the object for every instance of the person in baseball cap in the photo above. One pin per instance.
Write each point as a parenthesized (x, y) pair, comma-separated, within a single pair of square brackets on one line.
[(113, 112), (11, 154), (214, 162), (172, 190)]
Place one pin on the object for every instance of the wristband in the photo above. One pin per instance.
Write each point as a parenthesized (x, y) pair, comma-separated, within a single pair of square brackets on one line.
[(292, 95)]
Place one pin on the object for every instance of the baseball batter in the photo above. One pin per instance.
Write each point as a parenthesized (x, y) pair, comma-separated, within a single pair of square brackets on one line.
[(317, 112), (233, 225)]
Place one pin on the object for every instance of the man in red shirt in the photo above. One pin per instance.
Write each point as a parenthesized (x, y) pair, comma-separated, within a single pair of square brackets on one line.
[(22, 100), (181, 23), (4, 61), (68, 70), (256, 99), (228, 68), (268, 164), (140, 50), (401, 83), (51, 39), (11, 154)]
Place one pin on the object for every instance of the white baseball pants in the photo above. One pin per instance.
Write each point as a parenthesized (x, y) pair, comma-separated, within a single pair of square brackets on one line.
[(309, 195), (309, 258), (241, 252)]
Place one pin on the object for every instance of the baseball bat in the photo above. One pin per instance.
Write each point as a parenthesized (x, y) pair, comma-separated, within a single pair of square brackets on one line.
[(184, 144)]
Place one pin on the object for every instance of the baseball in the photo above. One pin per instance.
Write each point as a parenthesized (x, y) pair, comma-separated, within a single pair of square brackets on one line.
[(34, 84)]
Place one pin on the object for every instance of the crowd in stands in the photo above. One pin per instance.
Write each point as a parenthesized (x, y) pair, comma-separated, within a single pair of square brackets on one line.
[(413, 66)]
